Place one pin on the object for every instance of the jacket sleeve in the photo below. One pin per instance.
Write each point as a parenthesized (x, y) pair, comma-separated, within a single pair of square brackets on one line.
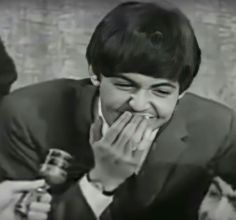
[(18, 154)]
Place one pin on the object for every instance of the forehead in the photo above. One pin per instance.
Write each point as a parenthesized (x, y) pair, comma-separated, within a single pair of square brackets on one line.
[(144, 79), (225, 187)]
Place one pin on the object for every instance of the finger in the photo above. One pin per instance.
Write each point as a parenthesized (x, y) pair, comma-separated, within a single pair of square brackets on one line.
[(125, 115), (117, 127), (96, 130), (139, 133), (125, 139), (19, 186), (40, 207), (137, 155), (147, 139), (140, 154), (45, 197), (32, 215)]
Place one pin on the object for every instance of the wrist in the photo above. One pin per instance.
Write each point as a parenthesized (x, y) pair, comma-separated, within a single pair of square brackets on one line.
[(103, 183)]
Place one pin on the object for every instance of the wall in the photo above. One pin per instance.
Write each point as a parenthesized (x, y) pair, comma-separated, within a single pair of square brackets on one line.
[(48, 38)]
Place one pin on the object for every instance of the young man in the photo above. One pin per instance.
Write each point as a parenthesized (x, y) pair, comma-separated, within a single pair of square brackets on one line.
[(141, 147)]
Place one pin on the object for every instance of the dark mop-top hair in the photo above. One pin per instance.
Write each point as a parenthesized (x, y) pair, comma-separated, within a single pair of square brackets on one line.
[(154, 39), (8, 73)]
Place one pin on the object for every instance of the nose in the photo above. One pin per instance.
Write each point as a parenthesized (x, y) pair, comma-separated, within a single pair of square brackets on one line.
[(140, 101), (223, 211)]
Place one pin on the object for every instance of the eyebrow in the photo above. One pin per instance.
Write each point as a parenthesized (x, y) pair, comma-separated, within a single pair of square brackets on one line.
[(164, 84), (152, 86), (125, 78)]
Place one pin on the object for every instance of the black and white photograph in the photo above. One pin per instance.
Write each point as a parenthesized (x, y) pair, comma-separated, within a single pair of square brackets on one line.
[(118, 110)]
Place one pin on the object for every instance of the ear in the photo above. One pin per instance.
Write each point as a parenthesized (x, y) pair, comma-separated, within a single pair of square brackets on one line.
[(93, 77)]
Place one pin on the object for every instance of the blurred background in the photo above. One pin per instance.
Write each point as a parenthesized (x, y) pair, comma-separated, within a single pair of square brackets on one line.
[(48, 38)]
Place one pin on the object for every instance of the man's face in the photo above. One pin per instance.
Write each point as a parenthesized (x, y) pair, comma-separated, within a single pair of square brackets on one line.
[(219, 203), (155, 98)]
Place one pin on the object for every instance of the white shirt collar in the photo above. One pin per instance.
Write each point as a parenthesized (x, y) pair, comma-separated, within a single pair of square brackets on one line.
[(105, 125)]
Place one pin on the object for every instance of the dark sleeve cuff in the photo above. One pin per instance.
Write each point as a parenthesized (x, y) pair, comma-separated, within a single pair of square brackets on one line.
[(72, 206)]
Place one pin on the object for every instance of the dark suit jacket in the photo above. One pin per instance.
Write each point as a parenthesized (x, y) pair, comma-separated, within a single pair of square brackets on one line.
[(58, 114)]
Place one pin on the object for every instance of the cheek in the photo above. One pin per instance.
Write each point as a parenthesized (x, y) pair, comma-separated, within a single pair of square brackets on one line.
[(112, 102), (165, 108), (114, 98)]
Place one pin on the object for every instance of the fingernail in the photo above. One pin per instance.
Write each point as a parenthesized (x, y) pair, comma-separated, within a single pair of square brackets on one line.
[(128, 114)]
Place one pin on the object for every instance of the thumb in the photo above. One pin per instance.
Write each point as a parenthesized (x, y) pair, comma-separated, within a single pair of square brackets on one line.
[(19, 186), (96, 130)]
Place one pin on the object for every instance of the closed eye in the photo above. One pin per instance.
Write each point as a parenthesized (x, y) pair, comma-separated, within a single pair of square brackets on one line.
[(124, 86), (162, 92)]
